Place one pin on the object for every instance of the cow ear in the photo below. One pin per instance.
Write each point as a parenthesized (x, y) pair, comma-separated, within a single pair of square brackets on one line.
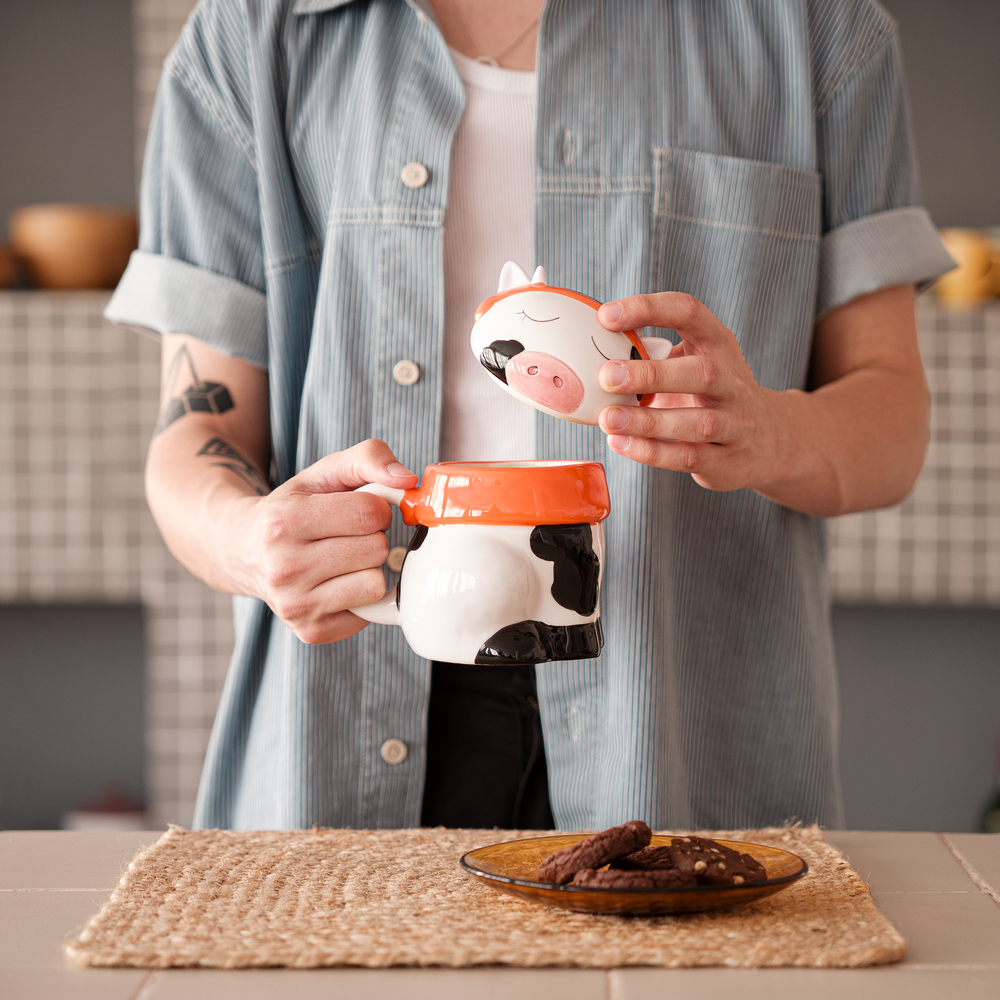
[(512, 276), (538, 278)]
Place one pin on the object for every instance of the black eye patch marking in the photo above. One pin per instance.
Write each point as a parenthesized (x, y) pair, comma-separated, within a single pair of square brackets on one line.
[(495, 357), (525, 316)]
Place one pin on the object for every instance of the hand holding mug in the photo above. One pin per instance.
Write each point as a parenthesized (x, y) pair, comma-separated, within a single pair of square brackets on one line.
[(316, 544)]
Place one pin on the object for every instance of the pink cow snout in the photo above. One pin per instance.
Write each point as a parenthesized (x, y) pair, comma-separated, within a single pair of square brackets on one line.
[(546, 380)]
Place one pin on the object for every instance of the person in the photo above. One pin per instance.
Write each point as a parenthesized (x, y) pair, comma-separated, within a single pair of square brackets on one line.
[(331, 187)]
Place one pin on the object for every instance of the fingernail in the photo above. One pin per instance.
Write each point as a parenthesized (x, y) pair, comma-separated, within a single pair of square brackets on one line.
[(611, 311), (399, 471), (615, 374), (619, 442), (616, 418)]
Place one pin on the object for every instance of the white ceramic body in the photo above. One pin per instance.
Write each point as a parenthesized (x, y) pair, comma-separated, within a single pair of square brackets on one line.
[(466, 582)]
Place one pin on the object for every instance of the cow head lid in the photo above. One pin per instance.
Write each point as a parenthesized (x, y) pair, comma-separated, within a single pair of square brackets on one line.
[(545, 345)]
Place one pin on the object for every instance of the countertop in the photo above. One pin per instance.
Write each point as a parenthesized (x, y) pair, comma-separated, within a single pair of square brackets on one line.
[(942, 892)]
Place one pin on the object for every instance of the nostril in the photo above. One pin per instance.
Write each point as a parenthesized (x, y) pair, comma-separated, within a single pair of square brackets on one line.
[(546, 381)]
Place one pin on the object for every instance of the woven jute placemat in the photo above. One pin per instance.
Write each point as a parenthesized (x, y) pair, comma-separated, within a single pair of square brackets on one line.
[(312, 898)]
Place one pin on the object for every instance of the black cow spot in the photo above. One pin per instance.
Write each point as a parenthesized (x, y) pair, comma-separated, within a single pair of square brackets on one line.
[(495, 357), (537, 642), (576, 568), (415, 542)]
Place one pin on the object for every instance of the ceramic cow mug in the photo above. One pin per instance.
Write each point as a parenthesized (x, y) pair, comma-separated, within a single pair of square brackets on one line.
[(545, 345), (506, 563)]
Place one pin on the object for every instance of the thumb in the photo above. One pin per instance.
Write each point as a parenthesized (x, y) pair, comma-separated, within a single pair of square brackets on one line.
[(371, 461)]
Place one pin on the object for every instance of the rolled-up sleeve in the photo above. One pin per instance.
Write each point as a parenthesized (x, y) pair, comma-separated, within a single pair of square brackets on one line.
[(875, 232), (199, 268)]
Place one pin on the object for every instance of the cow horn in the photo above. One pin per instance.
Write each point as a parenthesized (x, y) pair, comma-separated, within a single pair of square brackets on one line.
[(538, 278), (512, 276)]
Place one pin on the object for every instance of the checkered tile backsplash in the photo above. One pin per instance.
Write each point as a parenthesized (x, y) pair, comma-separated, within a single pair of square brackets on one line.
[(78, 400), (942, 544)]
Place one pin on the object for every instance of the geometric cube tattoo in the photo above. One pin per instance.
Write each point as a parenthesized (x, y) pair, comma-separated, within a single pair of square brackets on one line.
[(199, 397), (202, 397)]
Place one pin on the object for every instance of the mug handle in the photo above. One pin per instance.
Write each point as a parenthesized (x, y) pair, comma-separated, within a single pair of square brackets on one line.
[(384, 610)]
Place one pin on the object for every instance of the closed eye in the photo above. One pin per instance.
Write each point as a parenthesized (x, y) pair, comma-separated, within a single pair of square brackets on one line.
[(525, 316), (599, 351)]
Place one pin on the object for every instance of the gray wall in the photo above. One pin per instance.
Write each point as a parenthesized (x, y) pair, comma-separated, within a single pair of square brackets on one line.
[(952, 52), (920, 715), (71, 708), (66, 131)]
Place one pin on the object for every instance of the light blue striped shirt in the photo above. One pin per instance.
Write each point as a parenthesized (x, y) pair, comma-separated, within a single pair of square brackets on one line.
[(755, 153)]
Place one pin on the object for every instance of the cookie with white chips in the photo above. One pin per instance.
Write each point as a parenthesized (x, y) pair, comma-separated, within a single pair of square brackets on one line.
[(712, 863)]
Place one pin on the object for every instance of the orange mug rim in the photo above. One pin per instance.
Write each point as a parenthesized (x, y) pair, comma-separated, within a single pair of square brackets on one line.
[(540, 491)]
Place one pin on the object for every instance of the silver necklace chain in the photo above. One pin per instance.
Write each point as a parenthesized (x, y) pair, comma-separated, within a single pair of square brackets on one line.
[(493, 60)]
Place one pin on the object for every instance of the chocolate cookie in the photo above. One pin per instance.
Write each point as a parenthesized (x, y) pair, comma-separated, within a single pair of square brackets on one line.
[(712, 863), (595, 851), (755, 871), (616, 878), (648, 859)]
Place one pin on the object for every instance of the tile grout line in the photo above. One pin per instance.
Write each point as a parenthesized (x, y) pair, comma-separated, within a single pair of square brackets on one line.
[(104, 889), (145, 987), (969, 870), (952, 967), (614, 985)]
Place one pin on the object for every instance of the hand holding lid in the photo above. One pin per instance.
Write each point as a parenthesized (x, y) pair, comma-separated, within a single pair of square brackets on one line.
[(545, 345)]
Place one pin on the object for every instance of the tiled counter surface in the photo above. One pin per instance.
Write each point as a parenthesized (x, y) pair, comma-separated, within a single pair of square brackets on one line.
[(942, 893)]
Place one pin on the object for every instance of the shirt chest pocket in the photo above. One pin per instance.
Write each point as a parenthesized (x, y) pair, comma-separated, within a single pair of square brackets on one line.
[(742, 236)]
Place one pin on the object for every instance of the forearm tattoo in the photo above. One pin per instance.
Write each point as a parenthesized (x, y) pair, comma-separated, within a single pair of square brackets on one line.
[(230, 458), (198, 397)]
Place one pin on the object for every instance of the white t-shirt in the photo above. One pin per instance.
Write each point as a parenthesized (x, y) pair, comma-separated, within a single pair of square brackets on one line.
[(490, 220)]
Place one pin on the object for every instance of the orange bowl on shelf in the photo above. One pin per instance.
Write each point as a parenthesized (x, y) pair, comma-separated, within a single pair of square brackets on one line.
[(67, 246)]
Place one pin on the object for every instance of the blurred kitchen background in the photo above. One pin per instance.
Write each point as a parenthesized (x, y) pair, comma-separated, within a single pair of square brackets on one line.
[(112, 657)]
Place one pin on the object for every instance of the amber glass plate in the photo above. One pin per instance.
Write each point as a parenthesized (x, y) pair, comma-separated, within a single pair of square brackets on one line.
[(511, 867)]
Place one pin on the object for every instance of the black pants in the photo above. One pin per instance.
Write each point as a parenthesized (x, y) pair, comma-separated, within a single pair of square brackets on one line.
[(485, 755)]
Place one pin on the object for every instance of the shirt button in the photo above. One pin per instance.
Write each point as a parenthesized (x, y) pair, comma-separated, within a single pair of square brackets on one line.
[(396, 557), (422, 17), (406, 372), (393, 751), (414, 175)]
